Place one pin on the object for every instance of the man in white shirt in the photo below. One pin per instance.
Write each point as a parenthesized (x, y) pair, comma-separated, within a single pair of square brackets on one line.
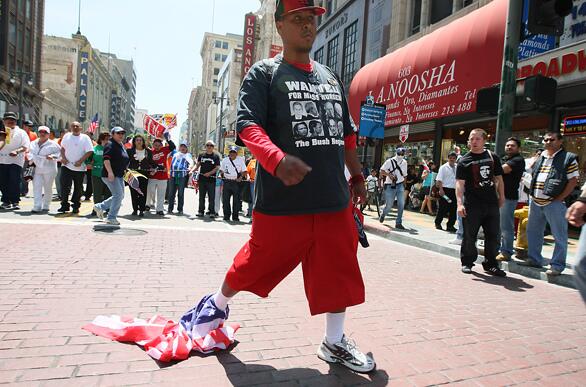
[(44, 154), (76, 148), (233, 171), (12, 157), (446, 182), (394, 170)]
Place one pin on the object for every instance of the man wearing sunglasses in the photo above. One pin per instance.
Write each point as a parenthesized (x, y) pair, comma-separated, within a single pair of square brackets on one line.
[(555, 175)]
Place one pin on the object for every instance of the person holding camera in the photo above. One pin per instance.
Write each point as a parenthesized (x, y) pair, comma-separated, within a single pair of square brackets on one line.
[(232, 170), (394, 170)]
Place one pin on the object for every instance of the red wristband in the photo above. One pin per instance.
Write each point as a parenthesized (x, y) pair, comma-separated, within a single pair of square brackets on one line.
[(357, 179)]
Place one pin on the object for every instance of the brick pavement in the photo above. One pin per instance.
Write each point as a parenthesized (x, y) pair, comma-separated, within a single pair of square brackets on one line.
[(425, 322)]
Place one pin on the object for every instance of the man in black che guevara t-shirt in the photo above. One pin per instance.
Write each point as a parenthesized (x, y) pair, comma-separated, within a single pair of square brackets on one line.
[(478, 176)]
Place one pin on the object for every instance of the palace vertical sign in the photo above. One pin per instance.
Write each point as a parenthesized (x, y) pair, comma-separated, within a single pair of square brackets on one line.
[(83, 79), (249, 43)]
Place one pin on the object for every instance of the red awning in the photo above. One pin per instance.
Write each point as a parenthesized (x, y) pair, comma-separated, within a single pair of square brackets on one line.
[(439, 74)]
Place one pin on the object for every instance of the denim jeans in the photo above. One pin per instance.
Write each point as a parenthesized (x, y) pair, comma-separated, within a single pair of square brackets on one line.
[(555, 214), (508, 226), (113, 203), (177, 185), (580, 267), (390, 195), (460, 232)]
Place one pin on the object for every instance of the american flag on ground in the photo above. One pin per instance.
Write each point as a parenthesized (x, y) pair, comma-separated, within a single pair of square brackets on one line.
[(94, 125), (201, 329)]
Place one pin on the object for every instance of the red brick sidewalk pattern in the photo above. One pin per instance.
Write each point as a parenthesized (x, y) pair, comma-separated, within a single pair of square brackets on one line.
[(424, 321)]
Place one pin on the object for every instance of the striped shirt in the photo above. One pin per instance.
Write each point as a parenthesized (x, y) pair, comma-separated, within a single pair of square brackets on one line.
[(538, 196)]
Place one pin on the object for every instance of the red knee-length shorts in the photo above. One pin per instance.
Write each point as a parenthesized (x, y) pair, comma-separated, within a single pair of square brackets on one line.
[(324, 243)]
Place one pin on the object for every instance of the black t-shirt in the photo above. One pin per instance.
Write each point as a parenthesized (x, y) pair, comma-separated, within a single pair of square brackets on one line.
[(118, 157), (513, 179), (295, 108), (478, 170), (208, 163)]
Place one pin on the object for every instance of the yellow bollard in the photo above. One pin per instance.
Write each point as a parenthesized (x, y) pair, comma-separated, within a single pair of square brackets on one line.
[(521, 244)]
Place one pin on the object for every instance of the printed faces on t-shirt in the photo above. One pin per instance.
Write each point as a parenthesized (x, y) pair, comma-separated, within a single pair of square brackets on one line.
[(316, 113)]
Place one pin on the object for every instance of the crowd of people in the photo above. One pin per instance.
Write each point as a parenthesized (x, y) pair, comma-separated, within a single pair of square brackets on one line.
[(479, 190), (156, 172)]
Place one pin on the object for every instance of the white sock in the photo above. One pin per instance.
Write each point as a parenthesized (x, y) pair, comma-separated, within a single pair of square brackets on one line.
[(335, 327), (221, 300)]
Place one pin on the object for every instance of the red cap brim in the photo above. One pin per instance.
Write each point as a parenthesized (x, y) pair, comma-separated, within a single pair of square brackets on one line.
[(316, 10)]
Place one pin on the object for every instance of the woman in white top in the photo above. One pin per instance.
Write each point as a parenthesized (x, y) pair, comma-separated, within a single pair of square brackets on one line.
[(44, 154)]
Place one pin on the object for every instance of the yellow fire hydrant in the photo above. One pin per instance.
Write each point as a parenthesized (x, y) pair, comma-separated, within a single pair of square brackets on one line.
[(521, 245)]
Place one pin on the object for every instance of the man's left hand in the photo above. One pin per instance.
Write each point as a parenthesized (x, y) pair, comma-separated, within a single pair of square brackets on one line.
[(78, 163), (575, 214), (501, 202), (358, 192)]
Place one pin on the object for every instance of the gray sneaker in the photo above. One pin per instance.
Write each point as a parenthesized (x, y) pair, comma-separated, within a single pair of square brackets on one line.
[(99, 212), (466, 269), (346, 353), (113, 222)]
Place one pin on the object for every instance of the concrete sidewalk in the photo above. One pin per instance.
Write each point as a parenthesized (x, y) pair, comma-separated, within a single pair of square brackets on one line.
[(421, 232)]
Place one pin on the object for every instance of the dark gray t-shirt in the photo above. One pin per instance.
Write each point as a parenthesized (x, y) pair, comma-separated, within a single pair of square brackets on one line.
[(306, 115)]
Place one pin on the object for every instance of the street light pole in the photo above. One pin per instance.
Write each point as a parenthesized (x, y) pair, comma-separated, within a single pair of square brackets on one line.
[(21, 75), (504, 123)]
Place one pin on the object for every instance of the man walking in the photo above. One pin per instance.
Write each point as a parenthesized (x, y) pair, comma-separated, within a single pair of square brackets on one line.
[(394, 170), (446, 182), (76, 148), (12, 158), (208, 164), (233, 171), (555, 175), (478, 177), (302, 194), (513, 168)]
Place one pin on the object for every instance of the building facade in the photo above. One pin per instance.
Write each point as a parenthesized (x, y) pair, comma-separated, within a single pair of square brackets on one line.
[(214, 52), (86, 82), (441, 53), (228, 87), (21, 36)]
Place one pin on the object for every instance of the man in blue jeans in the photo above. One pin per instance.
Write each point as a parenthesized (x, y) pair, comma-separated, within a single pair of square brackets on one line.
[(115, 163), (576, 215), (555, 175), (513, 168), (394, 170)]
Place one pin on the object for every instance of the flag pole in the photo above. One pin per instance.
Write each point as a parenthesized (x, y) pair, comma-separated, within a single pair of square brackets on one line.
[(79, 18)]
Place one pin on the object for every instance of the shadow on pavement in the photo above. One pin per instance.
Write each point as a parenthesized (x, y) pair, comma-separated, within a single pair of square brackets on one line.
[(513, 284), (241, 374)]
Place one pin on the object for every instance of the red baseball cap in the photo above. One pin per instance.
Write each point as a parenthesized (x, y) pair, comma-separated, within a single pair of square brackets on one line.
[(285, 7)]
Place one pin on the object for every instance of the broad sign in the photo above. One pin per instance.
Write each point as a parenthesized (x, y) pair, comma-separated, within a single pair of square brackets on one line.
[(83, 80), (574, 126), (372, 120), (249, 43), (404, 133)]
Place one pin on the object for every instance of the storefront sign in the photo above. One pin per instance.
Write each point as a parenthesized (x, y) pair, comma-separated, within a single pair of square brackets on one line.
[(533, 44), (275, 50), (372, 120), (565, 65), (574, 126), (83, 79), (439, 74), (249, 43), (575, 24), (404, 133)]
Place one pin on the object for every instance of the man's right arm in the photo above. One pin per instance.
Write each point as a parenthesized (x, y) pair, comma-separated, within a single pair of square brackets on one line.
[(460, 189)]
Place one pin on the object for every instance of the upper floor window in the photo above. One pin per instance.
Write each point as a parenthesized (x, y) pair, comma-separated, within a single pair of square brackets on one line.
[(416, 17), (332, 60), (217, 57), (350, 57), (218, 44), (225, 45), (319, 55), (440, 9)]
